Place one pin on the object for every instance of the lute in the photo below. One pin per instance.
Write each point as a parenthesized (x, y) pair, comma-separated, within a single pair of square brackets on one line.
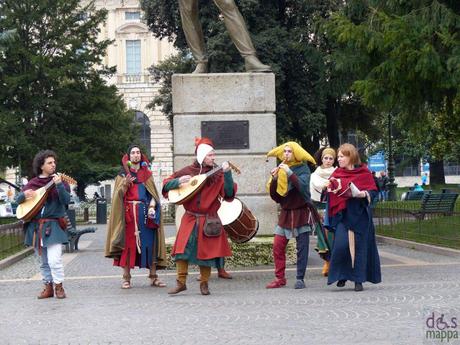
[(30, 207), (186, 191)]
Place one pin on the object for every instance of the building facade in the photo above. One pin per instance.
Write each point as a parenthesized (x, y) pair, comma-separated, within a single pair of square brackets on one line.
[(133, 51)]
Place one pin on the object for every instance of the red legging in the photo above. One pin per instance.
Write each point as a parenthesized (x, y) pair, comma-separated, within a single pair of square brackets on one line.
[(279, 254)]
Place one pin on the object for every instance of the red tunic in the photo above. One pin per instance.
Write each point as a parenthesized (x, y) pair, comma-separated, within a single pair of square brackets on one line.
[(205, 202)]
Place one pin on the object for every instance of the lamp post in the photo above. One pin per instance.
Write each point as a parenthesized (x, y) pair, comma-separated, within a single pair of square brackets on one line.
[(391, 162)]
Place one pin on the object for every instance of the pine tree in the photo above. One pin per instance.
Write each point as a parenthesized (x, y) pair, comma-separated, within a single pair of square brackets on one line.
[(406, 56), (53, 93)]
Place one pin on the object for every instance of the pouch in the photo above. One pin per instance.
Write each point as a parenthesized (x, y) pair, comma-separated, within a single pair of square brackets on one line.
[(212, 227)]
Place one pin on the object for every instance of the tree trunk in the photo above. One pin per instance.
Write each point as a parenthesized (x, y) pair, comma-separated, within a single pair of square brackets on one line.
[(437, 172), (81, 190), (332, 122)]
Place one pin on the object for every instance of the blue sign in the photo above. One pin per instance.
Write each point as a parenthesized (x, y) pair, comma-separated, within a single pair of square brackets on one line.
[(377, 162)]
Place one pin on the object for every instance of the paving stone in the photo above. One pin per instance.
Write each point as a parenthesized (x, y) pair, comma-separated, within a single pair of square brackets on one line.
[(238, 311)]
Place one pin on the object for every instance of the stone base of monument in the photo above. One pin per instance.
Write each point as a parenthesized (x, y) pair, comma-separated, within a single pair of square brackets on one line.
[(237, 111)]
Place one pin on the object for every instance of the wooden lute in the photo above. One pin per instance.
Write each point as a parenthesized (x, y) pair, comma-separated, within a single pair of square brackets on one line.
[(188, 190), (30, 207)]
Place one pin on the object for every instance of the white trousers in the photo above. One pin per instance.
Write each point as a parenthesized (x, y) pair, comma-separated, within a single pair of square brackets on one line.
[(51, 266)]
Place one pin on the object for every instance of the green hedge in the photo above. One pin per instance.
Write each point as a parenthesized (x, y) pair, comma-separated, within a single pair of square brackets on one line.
[(257, 252), (8, 220)]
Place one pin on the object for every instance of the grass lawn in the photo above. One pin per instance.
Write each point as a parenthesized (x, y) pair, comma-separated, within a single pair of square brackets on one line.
[(10, 244), (442, 231)]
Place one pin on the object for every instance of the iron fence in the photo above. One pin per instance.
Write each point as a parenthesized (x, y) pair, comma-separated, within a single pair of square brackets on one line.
[(11, 239), (86, 212), (397, 219)]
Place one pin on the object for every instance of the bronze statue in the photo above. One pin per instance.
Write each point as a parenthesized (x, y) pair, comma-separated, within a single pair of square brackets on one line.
[(235, 26)]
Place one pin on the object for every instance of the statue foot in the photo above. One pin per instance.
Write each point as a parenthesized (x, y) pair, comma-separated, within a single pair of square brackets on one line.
[(201, 67), (253, 64)]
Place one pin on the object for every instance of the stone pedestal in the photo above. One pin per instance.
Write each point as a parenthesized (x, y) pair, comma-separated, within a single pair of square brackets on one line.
[(204, 98)]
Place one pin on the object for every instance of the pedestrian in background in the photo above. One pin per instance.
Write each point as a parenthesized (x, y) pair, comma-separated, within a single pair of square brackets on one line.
[(424, 179), (383, 186)]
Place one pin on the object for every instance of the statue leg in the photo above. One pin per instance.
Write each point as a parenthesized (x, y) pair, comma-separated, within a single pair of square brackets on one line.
[(193, 33), (239, 34)]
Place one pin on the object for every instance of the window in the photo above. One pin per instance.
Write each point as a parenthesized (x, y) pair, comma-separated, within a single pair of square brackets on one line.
[(133, 57), (144, 131), (132, 15)]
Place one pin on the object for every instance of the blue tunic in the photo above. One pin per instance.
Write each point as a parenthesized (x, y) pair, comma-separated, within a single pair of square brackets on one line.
[(130, 256), (356, 217), (51, 232)]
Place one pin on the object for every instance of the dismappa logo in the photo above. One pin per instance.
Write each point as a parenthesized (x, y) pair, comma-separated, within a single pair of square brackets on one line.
[(442, 327)]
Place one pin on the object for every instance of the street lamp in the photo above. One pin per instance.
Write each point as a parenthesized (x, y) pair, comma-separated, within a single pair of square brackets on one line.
[(391, 162)]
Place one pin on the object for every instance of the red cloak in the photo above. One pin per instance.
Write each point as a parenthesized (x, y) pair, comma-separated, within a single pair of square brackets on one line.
[(205, 202), (360, 176)]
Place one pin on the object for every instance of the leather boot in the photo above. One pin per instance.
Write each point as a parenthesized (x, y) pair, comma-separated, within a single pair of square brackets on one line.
[(204, 288), (222, 273), (277, 283), (47, 291), (179, 288), (59, 291), (253, 64), (201, 67), (325, 271)]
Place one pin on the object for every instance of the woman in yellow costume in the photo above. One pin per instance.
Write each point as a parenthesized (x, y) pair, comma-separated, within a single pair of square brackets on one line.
[(289, 186)]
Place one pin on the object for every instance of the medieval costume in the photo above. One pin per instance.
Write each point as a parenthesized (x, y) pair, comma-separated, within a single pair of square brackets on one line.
[(291, 190), (133, 237), (354, 254), (192, 245), (46, 232), (318, 182)]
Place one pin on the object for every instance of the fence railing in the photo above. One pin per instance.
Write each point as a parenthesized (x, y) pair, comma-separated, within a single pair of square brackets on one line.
[(396, 219), (11, 239), (87, 211)]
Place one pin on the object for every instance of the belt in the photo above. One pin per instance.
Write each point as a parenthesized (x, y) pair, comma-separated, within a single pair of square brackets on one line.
[(136, 228), (40, 222), (196, 214)]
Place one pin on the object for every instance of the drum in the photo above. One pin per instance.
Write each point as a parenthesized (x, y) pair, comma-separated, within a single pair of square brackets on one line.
[(238, 221)]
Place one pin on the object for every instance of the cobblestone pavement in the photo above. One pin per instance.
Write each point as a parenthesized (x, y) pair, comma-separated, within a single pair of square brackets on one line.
[(238, 311)]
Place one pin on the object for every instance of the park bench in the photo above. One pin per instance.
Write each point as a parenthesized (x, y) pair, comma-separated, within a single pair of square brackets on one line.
[(443, 203), (416, 195), (74, 234)]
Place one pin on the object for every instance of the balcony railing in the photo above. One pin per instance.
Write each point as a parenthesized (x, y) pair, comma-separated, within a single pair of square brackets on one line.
[(133, 78)]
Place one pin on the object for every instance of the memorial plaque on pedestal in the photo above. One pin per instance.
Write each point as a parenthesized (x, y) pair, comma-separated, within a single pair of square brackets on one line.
[(227, 134)]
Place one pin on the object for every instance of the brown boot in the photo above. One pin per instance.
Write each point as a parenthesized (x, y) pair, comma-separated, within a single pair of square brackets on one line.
[(47, 291), (59, 291), (222, 273), (179, 288), (325, 271), (204, 288)]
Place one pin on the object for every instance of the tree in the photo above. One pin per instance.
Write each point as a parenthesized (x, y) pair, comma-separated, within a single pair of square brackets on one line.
[(406, 55), (310, 102), (162, 74), (53, 94)]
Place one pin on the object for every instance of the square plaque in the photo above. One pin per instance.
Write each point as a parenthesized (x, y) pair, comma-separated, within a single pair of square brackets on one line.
[(227, 134)]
